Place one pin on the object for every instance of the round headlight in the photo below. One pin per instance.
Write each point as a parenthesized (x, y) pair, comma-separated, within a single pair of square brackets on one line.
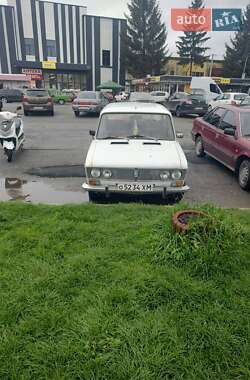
[(164, 176), (95, 173), (176, 174), (107, 173)]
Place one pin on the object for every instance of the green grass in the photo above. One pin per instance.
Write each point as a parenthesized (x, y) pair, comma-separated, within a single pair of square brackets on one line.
[(109, 292)]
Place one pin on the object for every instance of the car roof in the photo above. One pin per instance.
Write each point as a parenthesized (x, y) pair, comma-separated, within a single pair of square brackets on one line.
[(135, 107), (234, 108)]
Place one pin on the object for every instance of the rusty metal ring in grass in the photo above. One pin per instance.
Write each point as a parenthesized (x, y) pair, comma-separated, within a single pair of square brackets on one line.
[(181, 219)]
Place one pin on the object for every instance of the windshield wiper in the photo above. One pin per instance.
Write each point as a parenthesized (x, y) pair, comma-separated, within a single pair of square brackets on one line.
[(142, 137)]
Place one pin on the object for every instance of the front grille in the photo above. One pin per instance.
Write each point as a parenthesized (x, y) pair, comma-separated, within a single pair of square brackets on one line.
[(139, 174), (133, 174)]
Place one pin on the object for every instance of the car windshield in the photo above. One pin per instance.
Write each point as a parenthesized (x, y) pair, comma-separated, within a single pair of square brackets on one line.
[(140, 96), (136, 126), (87, 95), (240, 96), (37, 93), (245, 124), (199, 97), (246, 101)]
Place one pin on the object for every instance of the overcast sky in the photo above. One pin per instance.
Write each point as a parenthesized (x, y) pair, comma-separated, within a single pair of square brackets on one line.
[(117, 8)]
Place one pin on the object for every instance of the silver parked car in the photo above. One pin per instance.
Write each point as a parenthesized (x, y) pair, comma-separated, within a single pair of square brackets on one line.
[(89, 102), (143, 97)]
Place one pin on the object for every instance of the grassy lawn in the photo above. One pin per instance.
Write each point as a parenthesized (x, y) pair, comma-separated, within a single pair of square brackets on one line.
[(109, 292)]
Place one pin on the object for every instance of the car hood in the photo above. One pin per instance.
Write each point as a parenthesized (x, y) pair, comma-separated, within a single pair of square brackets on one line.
[(136, 153)]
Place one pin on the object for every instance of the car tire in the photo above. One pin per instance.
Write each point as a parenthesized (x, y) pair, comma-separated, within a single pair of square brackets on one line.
[(199, 147), (4, 100), (61, 102), (93, 196), (244, 175), (174, 198), (178, 112), (77, 113), (51, 113), (9, 154), (26, 113)]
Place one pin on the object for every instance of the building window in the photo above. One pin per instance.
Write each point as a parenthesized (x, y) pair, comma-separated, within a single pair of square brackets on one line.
[(106, 57), (51, 48), (29, 46)]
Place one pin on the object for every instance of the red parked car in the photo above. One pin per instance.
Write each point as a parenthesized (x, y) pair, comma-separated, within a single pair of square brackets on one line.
[(224, 134)]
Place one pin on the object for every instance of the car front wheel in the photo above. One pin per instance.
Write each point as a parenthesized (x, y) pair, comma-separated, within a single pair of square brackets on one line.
[(178, 112), (244, 175), (77, 113), (93, 196), (199, 147)]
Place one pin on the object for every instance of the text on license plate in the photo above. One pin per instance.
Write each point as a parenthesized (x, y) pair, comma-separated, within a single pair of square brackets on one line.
[(135, 187)]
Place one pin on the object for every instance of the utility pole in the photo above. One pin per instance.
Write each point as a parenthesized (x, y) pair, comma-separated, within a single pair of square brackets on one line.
[(212, 64), (243, 76)]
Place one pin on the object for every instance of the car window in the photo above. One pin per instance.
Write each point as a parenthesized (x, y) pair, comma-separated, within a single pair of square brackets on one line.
[(225, 96), (37, 93), (246, 101), (244, 123), (228, 121), (140, 96), (214, 117), (136, 125), (214, 88), (239, 96), (160, 94), (181, 95)]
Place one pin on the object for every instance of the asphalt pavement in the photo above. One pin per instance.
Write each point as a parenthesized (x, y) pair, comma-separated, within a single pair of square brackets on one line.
[(50, 168)]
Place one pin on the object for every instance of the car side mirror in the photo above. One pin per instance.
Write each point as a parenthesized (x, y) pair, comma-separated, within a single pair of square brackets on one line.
[(179, 135), (19, 108), (92, 133), (229, 131)]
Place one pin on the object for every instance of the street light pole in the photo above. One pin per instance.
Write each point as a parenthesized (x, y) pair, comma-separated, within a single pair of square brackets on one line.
[(243, 76), (211, 66)]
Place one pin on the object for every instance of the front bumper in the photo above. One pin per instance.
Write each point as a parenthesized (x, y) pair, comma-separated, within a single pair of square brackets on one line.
[(114, 188)]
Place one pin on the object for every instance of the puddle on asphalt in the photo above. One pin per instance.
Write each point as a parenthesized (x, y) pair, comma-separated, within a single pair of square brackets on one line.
[(15, 189)]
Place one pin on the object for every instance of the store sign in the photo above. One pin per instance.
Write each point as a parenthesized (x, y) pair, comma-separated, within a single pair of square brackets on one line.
[(36, 77), (155, 79), (32, 71), (50, 65), (138, 81), (222, 80)]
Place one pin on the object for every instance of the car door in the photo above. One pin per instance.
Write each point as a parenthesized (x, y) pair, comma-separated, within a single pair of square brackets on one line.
[(210, 128), (227, 146), (172, 102)]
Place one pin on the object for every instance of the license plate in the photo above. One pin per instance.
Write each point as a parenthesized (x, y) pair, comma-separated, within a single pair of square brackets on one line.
[(135, 187), (198, 108), (37, 108), (84, 108)]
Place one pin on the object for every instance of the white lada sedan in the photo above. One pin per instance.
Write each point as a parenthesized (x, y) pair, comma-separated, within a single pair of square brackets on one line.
[(134, 151)]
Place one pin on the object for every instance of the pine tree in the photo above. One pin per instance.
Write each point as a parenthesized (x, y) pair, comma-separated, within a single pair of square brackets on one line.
[(191, 47), (238, 54), (144, 43)]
